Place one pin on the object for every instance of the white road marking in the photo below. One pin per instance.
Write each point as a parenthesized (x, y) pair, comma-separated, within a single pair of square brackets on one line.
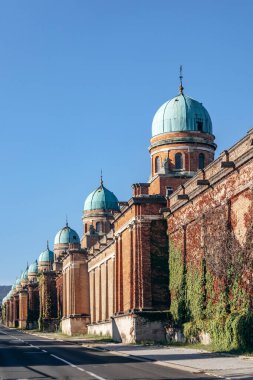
[(94, 375), (37, 347), (79, 368), (64, 361), (57, 357)]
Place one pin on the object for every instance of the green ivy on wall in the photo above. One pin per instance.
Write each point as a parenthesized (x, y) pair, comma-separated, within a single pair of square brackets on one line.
[(212, 296), (177, 284)]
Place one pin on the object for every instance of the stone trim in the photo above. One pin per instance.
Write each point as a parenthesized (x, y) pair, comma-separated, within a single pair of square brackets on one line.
[(181, 147), (97, 265), (138, 219)]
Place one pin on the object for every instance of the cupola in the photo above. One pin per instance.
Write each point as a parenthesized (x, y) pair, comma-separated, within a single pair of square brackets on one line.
[(65, 239), (33, 271), (100, 208), (101, 199), (66, 236), (182, 142), (46, 259)]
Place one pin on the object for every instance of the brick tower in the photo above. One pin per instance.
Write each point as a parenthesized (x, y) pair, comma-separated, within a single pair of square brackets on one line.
[(182, 142), (99, 212)]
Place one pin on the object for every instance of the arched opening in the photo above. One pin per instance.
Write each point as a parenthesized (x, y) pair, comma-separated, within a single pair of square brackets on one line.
[(201, 161), (85, 228), (98, 226), (157, 164), (178, 161)]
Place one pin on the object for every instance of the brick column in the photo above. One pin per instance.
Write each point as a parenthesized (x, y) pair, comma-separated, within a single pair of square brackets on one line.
[(116, 272), (16, 310), (7, 311), (112, 311), (100, 295), (145, 265), (106, 292), (92, 295), (23, 309), (64, 300), (136, 299), (120, 276), (131, 267), (12, 324)]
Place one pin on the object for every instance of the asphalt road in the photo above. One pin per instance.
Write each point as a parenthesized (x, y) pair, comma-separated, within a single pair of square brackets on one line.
[(24, 356)]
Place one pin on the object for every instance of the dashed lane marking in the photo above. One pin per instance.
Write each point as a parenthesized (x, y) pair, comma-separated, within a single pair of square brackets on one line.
[(79, 368), (94, 375), (63, 360)]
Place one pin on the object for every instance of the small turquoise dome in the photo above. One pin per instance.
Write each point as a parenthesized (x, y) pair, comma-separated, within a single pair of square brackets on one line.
[(33, 268), (17, 281), (180, 114), (24, 275), (101, 198), (66, 235), (46, 256)]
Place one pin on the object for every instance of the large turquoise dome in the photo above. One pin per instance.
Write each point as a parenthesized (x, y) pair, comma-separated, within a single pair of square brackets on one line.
[(181, 114), (101, 199), (46, 256), (66, 235)]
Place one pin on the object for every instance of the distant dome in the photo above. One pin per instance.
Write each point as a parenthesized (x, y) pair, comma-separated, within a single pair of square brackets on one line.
[(33, 268), (46, 256), (180, 114), (66, 235), (24, 275), (101, 198)]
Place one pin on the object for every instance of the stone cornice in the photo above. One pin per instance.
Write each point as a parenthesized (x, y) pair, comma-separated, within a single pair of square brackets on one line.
[(237, 156), (180, 140)]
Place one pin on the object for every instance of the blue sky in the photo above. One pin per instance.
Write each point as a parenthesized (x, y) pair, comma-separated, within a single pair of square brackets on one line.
[(80, 82)]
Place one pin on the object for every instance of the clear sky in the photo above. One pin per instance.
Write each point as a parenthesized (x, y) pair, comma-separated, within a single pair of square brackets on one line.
[(80, 82)]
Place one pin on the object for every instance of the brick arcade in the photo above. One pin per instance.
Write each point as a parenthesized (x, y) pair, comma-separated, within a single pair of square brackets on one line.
[(115, 279)]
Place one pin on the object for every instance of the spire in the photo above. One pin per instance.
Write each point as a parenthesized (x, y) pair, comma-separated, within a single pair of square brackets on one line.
[(181, 88), (67, 224), (101, 178), (47, 245)]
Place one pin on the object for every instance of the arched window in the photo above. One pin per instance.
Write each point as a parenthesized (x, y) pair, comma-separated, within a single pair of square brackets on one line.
[(157, 164), (201, 161), (98, 226), (178, 161)]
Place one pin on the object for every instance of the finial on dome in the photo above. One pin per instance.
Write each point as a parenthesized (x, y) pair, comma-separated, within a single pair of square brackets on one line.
[(181, 88), (47, 245), (101, 178), (67, 224)]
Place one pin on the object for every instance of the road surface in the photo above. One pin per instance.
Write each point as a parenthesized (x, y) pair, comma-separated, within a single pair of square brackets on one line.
[(24, 356)]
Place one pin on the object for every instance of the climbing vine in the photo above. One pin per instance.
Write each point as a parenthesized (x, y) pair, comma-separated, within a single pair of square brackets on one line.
[(177, 284), (215, 295)]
